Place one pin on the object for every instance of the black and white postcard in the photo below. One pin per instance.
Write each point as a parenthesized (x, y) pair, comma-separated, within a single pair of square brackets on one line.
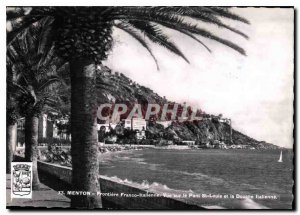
[(150, 107)]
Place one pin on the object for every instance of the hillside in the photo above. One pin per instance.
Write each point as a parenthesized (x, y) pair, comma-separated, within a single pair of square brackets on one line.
[(125, 90)]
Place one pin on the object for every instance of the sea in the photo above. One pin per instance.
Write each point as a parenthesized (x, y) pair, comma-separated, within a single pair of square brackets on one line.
[(211, 178)]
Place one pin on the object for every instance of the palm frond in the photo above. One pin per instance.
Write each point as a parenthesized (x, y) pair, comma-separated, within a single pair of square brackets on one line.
[(224, 12), (46, 58), (176, 23), (187, 10), (47, 82), (152, 31), (205, 17), (157, 36), (45, 37), (205, 14), (128, 29), (199, 41), (18, 26), (20, 87)]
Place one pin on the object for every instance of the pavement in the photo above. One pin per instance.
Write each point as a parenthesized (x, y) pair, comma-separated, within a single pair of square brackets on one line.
[(44, 197)]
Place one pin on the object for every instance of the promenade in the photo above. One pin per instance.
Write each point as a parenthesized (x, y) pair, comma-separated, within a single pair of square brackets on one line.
[(45, 197)]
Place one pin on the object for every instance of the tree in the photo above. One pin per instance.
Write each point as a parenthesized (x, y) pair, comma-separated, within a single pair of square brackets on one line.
[(35, 84), (11, 119), (83, 36)]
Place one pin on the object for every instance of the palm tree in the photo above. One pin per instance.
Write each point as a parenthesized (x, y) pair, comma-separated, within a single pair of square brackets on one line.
[(83, 36), (12, 116), (35, 84)]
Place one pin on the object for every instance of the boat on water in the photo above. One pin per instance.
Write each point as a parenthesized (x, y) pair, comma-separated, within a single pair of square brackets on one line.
[(280, 157)]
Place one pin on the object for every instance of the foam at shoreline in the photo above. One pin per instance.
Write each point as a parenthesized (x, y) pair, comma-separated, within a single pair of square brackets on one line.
[(145, 185)]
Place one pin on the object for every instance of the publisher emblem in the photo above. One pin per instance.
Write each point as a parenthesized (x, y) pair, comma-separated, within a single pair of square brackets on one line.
[(21, 180)]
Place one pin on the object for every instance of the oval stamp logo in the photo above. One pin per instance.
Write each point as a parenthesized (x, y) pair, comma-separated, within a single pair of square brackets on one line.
[(21, 180)]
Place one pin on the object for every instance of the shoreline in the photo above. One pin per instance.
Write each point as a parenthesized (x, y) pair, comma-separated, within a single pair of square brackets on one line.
[(158, 186), (61, 155), (63, 152)]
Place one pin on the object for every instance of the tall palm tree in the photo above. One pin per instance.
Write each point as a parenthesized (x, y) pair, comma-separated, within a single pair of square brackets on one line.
[(12, 116), (35, 84), (83, 36)]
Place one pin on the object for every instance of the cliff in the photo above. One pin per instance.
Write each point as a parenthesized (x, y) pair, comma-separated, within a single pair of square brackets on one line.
[(210, 129), (206, 131)]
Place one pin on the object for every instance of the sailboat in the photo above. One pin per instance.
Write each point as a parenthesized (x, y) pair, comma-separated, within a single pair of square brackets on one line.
[(280, 158)]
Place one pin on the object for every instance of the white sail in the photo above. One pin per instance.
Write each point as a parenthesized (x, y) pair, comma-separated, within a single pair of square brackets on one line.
[(280, 158)]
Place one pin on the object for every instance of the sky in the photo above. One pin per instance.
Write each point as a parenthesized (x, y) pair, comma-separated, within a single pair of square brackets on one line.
[(255, 91)]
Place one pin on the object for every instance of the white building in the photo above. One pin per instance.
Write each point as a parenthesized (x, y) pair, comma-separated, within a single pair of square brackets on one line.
[(188, 142), (138, 124), (135, 124), (127, 123)]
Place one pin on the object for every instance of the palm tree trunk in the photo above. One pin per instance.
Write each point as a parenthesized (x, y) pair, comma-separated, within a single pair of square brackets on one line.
[(11, 140), (31, 143), (84, 146), (11, 123)]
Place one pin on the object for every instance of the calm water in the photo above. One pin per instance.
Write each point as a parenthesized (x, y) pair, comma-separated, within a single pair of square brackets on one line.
[(246, 172)]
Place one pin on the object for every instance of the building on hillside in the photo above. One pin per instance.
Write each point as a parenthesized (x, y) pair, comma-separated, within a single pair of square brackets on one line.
[(127, 123), (138, 124), (134, 123), (188, 142), (219, 144), (227, 121)]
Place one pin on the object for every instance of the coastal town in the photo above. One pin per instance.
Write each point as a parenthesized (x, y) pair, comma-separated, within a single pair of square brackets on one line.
[(114, 133)]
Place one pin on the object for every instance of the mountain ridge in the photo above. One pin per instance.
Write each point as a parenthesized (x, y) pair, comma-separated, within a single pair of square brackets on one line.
[(125, 90)]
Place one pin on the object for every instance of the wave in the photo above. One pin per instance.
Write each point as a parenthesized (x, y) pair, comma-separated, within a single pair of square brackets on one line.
[(151, 166), (163, 189), (158, 167), (155, 187), (247, 203), (205, 181)]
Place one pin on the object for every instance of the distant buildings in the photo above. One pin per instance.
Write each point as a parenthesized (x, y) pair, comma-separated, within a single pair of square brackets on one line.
[(53, 131), (138, 124), (127, 123), (219, 144), (188, 142), (135, 124), (48, 131)]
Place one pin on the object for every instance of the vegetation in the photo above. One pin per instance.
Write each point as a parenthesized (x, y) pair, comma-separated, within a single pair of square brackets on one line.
[(35, 85)]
